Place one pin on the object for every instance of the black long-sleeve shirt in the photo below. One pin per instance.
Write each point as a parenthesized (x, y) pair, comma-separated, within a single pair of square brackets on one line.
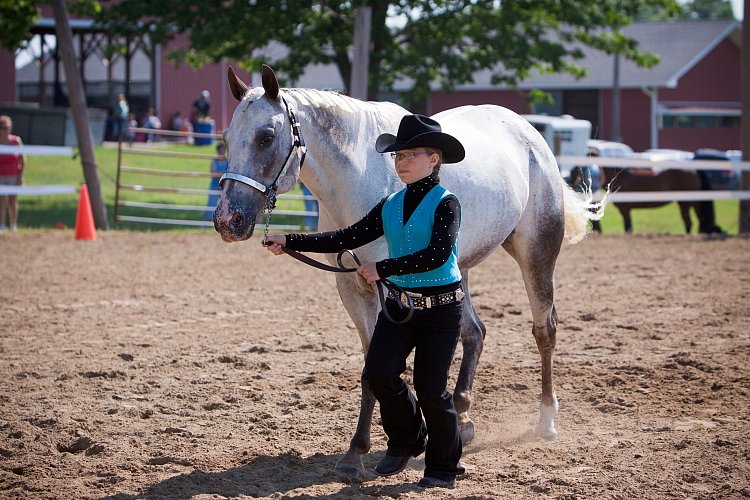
[(370, 228)]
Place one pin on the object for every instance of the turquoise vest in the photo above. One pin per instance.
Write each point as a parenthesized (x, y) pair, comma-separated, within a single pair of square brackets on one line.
[(415, 236)]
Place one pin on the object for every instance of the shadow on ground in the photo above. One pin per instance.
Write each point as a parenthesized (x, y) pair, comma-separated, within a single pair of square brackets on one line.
[(266, 476)]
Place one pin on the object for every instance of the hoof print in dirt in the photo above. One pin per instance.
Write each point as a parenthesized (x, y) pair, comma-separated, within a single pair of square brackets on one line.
[(82, 444)]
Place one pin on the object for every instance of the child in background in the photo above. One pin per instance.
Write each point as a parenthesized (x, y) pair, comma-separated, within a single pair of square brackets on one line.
[(218, 166)]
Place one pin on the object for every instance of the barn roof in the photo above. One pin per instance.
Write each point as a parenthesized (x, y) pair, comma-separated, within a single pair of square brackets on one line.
[(680, 45)]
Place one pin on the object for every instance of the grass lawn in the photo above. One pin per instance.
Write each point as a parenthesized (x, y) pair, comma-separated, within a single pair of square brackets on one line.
[(51, 210), (667, 219)]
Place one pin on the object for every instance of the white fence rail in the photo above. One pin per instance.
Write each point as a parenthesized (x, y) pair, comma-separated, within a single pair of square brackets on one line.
[(36, 150), (662, 196), (39, 190), (36, 190)]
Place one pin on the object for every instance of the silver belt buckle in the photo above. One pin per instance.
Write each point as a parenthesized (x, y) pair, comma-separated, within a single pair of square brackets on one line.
[(459, 295), (405, 299)]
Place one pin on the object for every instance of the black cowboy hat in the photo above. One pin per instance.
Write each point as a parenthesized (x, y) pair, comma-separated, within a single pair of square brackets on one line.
[(417, 131)]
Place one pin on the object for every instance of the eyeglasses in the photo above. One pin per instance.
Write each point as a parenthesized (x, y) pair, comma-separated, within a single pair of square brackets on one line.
[(408, 156)]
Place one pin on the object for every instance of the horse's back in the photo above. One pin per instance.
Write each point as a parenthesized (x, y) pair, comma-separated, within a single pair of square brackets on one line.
[(505, 159)]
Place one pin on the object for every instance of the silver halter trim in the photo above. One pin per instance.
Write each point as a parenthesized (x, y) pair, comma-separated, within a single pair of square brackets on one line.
[(243, 179)]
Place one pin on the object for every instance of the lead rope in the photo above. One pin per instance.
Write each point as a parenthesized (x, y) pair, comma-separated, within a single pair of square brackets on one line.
[(299, 142), (392, 288), (270, 205)]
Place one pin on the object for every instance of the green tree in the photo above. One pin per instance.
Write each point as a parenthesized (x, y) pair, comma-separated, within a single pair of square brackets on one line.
[(17, 17), (426, 42), (708, 9)]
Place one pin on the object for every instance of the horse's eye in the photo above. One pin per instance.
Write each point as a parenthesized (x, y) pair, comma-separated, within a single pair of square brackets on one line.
[(266, 141)]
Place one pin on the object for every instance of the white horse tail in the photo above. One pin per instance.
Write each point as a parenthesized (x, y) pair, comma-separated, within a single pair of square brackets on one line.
[(580, 209)]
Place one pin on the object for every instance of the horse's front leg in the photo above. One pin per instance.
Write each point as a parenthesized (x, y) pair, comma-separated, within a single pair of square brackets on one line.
[(472, 341), (362, 305), (351, 465), (628, 223)]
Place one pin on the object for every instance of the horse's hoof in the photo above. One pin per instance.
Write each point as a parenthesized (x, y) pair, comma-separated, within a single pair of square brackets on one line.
[(348, 471), (545, 432), (467, 432)]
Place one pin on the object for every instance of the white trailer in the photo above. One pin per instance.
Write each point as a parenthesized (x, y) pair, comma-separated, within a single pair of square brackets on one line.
[(565, 135)]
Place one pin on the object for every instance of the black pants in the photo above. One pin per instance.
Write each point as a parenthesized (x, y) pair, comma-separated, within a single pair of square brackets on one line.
[(705, 210), (432, 334)]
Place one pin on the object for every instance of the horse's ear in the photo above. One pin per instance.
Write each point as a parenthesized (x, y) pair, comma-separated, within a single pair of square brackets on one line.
[(270, 83), (237, 86)]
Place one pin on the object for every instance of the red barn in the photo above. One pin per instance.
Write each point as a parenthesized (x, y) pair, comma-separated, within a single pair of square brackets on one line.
[(691, 99)]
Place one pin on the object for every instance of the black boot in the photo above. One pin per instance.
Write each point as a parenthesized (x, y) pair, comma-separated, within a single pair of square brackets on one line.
[(390, 465)]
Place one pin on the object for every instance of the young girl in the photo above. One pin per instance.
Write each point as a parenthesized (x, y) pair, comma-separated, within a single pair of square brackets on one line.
[(11, 173), (421, 224)]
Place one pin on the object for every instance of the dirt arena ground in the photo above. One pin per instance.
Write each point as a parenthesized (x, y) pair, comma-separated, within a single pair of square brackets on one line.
[(154, 365)]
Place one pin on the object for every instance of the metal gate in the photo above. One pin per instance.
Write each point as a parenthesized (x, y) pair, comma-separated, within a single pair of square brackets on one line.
[(157, 186)]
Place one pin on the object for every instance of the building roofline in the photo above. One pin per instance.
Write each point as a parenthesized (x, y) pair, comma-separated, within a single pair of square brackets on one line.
[(672, 82)]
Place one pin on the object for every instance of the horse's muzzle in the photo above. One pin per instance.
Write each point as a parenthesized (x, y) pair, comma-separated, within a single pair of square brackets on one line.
[(237, 210), (233, 226)]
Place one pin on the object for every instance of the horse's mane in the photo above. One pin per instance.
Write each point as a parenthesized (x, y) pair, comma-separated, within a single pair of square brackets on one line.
[(330, 100)]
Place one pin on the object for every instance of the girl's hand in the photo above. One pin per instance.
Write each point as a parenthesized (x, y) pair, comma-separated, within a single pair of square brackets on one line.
[(275, 243), (369, 272)]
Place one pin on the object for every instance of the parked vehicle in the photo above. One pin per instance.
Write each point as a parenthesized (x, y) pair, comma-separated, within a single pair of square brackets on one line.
[(665, 154), (609, 149), (596, 148), (719, 179), (565, 135)]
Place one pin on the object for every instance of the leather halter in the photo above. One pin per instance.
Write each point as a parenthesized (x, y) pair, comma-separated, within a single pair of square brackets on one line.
[(297, 142)]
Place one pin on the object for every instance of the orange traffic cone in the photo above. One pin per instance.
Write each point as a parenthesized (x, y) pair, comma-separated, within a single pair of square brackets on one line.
[(84, 217)]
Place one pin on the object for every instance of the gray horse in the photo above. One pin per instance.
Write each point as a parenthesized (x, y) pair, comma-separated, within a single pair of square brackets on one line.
[(511, 192)]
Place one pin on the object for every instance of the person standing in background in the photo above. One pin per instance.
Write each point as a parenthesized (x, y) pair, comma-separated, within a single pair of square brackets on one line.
[(311, 205), (11, 173), (218, 166), (129, 135), (120, 113), (201, 108), (152, 121)]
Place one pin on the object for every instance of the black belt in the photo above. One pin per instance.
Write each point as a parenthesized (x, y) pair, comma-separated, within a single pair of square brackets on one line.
[(426, 302)]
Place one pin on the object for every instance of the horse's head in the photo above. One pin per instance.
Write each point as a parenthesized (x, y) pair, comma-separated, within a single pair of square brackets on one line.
[(261, 142)]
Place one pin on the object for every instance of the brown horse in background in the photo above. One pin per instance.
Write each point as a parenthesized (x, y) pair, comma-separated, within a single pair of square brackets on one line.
[(646, 179)]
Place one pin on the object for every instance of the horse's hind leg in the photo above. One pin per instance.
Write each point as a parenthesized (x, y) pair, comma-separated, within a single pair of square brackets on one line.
[(472, 341), (685, 213), (536, 249)]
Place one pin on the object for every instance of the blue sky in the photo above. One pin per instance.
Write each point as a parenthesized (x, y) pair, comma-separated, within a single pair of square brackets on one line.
[(737, 8)]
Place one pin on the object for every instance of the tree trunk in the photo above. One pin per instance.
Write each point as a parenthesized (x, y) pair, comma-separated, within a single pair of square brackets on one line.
[(78, 110), (745, 122), (361, 56)]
